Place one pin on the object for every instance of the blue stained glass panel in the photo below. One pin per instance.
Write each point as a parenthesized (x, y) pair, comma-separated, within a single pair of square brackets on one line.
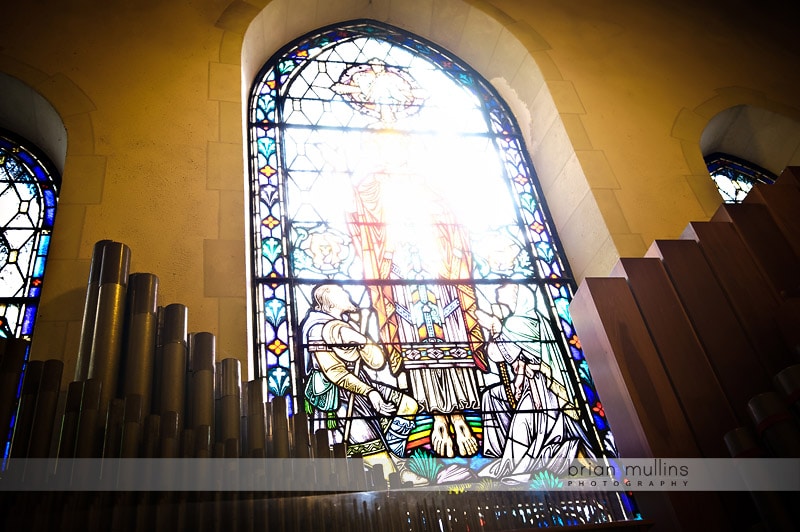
[(734, 177), (29, 186)]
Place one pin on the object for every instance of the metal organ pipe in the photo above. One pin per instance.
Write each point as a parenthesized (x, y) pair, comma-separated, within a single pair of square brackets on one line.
[(12, 360), (109, 323), (26, 408), (140, 345), (173, 355), (230, 402), (90, 313), (46, 405), (202, 362)]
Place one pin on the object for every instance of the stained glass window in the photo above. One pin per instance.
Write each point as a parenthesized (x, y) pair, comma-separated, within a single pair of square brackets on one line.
[(735, 177), (28, 196), (410, 293)]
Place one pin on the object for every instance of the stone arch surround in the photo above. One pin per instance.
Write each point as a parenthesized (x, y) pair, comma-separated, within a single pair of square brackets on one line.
[(690, 124), (58, 118)]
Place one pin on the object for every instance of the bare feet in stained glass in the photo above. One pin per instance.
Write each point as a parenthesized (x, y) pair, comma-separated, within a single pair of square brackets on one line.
[(466, 442), (440, 437)]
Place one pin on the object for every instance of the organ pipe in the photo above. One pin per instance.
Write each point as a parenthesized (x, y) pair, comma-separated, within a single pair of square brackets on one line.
[(140, 345), (256, 414), (108, 330), (13, 352), (46, 404), (202, 361), (88, 441), (230, 402), (26, 408), (69, 421), (775, 424), (132, 427), (90, 312), (173, 360)]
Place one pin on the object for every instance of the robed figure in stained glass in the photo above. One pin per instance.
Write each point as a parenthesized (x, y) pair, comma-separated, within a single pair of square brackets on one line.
[(529, 422), (406, 234)]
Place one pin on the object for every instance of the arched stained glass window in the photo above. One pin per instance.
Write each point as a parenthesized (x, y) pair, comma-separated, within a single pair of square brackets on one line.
[(735, 177), (410, 293), (28, 195)]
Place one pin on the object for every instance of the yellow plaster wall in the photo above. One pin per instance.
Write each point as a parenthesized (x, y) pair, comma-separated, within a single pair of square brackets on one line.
[(612, 97)]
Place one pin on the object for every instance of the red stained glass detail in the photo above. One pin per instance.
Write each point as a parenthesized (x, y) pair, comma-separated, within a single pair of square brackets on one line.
[(598, 408), (536, 226)]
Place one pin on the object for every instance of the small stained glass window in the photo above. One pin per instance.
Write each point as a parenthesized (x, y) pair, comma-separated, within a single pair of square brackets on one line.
[(28, 196), (410, 293), (735, 177)]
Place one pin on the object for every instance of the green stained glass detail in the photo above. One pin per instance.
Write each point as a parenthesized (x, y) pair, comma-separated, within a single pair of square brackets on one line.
[(271, 249)]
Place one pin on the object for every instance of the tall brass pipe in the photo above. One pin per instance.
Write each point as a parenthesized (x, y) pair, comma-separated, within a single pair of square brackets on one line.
[(203, 442), (301, 440), (151, 436), (256, 418), (140, 343), (69, 422), (26, 408), (90, 312), (110, 320), (173, 354), (230, 401), (115, 419), (280, 428), (14, 351), (202, 361), (170, 435), (46, 406), (88, 442), (132, 428)]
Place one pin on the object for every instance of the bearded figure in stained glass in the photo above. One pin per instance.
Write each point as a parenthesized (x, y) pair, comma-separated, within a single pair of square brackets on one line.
[(373, 418), (529, 422)]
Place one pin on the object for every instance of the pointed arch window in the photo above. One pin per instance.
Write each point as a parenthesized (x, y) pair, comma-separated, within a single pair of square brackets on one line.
[(410, 293), (734, 177), (28, 195)]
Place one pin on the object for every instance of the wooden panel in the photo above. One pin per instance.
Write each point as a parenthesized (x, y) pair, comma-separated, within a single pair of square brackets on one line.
[(735, 361), (766, 243), (641, 405), (790, 175), (752, 297), (783, 203), (789, 323), (707, 409)]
